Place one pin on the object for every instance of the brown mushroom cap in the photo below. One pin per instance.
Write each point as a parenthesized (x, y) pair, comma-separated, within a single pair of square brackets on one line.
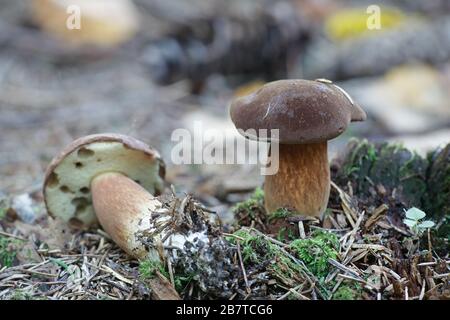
[(304, 111), (68, 177)]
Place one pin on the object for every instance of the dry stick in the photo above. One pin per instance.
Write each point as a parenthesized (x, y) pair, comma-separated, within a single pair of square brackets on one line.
[(353, 233), (12, 236), (444, 275), (169, 266), (377, 214), (424, 264), (298, 294), (242, 267), (345, 204), (301, 230), (343, 268), (422, 291), (285, 295)]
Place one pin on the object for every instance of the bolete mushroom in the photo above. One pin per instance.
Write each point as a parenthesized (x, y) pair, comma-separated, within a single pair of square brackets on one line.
[(109, 178), (307, 115)]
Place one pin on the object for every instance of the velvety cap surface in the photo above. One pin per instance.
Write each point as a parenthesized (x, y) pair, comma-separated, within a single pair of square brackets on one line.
[(304, 111)]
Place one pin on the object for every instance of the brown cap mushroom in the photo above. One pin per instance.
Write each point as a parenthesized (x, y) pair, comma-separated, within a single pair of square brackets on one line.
[(307, 115), (109, 177)]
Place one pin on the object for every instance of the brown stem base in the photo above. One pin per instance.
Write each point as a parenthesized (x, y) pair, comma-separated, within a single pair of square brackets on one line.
[(302, 182)]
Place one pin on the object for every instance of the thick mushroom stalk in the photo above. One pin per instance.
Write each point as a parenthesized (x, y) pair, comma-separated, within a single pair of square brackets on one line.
[(302, 182), (123, 209)]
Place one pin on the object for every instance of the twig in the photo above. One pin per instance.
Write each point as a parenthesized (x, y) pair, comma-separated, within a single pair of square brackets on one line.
[(242, 267)]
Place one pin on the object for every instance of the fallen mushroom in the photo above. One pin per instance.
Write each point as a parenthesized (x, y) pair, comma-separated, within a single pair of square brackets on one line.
[(108, 178), (307, 115), (102, 22), (113, 178)]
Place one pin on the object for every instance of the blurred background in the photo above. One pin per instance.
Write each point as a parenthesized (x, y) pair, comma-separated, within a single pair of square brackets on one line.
[(147, 67)]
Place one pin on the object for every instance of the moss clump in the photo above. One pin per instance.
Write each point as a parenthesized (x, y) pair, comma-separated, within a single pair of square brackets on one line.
[(258, 250), (252, 205), (280, 213), (22, 295), (438, 201), (286, 233), (316, 251), (3, 207), (418, 182), (8, 251), (351, 291), (389, 165), (148, 269)]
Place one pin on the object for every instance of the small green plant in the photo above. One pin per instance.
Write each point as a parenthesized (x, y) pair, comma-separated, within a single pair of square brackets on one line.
[(414, 220), (316, 250)]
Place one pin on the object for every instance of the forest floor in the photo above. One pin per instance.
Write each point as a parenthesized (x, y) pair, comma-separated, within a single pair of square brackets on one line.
[(361, 249)]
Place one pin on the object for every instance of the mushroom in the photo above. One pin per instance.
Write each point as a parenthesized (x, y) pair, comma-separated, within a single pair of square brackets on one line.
[(307, 115), (109, 178)]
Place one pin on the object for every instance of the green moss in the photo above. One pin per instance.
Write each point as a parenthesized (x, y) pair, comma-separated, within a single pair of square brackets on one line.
[(256, 249), (8, 251), (286, 234), (390, 165), (350, 291), (438, 201), (280, 213), (148, 269), (22, 295), (3, 208), (316, 250), (252, 205), (417, 181)]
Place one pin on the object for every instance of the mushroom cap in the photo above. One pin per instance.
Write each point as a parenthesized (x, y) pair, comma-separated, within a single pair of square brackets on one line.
[(304, 111), (68, 178)]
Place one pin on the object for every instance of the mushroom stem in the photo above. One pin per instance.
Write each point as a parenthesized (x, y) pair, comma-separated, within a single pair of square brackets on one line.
[(123, 208), (302, 182)]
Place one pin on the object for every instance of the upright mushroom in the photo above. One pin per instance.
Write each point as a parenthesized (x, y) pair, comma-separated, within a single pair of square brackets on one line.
[(109, 177), (307, 115)]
